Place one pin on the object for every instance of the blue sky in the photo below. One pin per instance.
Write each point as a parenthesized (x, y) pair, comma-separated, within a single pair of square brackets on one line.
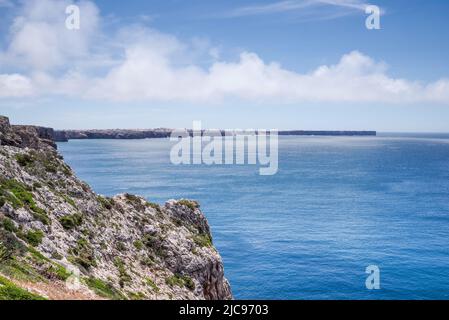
[(306, 64)]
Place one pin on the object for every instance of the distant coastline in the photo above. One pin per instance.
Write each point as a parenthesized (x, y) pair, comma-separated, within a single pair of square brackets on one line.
[(66, 135)]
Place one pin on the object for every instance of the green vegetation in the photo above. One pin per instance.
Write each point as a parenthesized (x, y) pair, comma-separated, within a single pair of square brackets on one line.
[(188, 282), (57, 271), (203, 240), (18, 196), (9, 225), (147, 261), (34, 238), (48, 268), (11, 245), (71, 221), (155, 206), (4, 253), (69, 200), (84, 254), (192, 205), (180, 281), (124, 276), (137, 295), (18, 268), (138, 244), (105, 202), (9, 291), (55, 255), (155, 244), (24, 159), (152, 285), (103, 289), (131, 197)]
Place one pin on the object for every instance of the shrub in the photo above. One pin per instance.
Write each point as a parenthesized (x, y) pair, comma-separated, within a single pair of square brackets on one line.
[(174, 280), (57, 271), (24, 159), (85, 256), (180, 281), (124, 277), (152, 285), (34, 238), (69, 200), (192, 205), (105, 203), (138, 244), (4, 253), (71, 221), (153, 205), (17, 194), (104, 289), (188, 282), (131, 197), (203, 240), (12, 245), (9, 225)]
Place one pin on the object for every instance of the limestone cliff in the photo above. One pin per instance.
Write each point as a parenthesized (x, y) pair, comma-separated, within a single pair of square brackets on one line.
[(60, 240)]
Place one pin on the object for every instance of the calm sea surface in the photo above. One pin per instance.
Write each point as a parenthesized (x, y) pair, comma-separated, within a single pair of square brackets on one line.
[(337, 205)]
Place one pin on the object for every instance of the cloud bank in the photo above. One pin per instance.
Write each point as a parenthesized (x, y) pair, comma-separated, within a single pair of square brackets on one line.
[(136, 63)]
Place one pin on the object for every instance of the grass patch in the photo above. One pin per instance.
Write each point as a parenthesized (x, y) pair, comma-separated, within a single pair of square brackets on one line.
[(138, 244), (103, 289), (18, 195), (124, 277), (84, 254), (34, 237), (9, 291), (105, 202), (152, 285), (180, 281), (9, 225), (71, 221), (24, 160), (69, 200), (192, 205), (155, 206), (203, 240)]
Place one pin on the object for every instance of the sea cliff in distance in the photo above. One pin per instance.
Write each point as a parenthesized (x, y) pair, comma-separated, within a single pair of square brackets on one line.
[(66, 135), (60, 240)]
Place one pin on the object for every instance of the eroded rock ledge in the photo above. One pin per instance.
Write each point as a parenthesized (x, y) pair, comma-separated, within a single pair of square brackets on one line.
[(52, 224)]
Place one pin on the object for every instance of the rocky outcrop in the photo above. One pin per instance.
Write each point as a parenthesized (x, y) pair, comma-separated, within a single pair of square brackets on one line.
[(25, 136), (55, 232)]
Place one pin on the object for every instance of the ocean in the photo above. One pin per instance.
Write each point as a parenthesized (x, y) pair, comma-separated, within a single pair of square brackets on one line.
[(336, 206)]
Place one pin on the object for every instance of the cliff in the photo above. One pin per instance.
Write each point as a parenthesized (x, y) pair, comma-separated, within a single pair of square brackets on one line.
[(60, 240), (65, 135)]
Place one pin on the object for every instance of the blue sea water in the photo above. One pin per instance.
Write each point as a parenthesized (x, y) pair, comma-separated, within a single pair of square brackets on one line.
[(337, 205)]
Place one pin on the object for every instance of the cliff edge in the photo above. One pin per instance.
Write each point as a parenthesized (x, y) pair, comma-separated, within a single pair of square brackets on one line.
[(60, 240)]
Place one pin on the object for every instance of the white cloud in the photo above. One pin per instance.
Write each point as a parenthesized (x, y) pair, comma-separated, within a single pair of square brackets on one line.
[(15, 85), (147, 75), (40, 39), (141, 64), (326, 8)]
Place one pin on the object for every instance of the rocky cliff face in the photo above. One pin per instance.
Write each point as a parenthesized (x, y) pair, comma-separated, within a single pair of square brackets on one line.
[(60, 240)]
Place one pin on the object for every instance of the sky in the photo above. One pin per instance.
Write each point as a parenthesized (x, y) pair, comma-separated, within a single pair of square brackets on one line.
[(265, 64)]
